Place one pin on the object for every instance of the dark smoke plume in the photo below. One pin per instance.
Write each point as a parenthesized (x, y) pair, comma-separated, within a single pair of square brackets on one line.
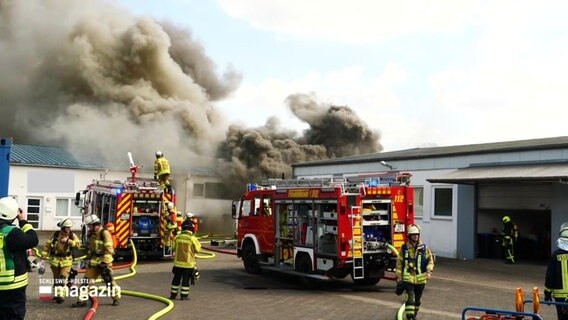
[(89, 76), (252, 154)]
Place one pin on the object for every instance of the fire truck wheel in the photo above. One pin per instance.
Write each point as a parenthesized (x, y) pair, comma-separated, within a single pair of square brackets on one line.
[(304, 265), (250, 259)]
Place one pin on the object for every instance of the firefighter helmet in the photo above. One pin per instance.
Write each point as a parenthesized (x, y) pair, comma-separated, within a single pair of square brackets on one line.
[(506, 219), (189, 215), (413, 229), (159, 154), (564, 230), (65, 223), (170, 205), (8, 208), (92, 219)]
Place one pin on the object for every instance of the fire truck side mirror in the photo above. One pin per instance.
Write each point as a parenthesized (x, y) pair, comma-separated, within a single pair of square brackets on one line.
[(77, 199), (234, 211)]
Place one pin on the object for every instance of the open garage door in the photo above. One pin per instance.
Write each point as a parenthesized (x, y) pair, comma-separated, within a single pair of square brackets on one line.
[(528, 205)]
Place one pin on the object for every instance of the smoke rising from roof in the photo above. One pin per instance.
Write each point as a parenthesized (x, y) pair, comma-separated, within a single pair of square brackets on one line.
[(90, 76), (252, 154)]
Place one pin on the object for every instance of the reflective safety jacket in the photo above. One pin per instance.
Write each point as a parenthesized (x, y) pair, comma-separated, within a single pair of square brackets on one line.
[(14, 244), (61, 253), (509, 234), (556, 280), (101, 248), (161, 166), (413, 262), (185, 247)]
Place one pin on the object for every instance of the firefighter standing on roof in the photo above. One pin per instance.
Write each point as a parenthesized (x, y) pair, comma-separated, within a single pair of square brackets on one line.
[(59, 251), (556, 280), (99, 259), (509, 238), (414, 266), (162, 171), (185, 268), (14, 242)]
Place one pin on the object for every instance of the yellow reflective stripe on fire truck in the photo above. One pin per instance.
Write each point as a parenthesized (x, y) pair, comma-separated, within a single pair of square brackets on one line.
[(123, 226)]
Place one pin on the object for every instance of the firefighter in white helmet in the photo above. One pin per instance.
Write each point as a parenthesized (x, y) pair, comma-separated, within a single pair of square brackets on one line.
[(99, 260), (556, 276), (162, 171), (194, 220), (414, 266), (170, 216), (59, 251), (14, 243)]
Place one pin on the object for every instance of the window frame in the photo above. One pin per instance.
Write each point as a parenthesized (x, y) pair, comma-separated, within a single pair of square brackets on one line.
[(433, 205), (69, 211), (416, 205)]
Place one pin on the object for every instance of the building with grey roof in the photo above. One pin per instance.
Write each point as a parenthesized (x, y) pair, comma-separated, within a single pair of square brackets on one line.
[(462, 192)]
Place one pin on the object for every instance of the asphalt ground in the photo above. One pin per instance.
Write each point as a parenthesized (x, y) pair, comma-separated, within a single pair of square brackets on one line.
[(226, 291)]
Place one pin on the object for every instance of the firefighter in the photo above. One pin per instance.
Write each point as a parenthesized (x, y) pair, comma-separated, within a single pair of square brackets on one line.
[(99, 260), (14, 243), (59, 251), (414, 266), (170, 214), (185, 268), (191, 217), (509, 238), (162, 171), (556, 280), (110, 227)]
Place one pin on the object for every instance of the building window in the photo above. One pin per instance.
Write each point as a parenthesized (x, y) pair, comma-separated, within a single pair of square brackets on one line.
[(418, 201), (443, 202), (215, 190), (199, 190), (66, 208), (33, 210)]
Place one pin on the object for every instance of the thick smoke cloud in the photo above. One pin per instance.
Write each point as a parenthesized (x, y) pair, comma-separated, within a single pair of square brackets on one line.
[(91, 77), (254, 154)]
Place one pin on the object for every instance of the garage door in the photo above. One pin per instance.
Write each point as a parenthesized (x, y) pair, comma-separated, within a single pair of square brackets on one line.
[(528, 205)]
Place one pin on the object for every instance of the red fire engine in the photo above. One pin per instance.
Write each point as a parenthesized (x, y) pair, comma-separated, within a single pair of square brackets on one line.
[(324, 228), (135, 207)]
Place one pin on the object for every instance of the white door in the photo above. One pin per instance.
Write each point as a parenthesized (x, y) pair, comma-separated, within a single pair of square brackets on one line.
[(34, 211)]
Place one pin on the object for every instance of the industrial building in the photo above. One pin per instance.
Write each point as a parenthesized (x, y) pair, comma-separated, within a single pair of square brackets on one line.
[(462, 192)]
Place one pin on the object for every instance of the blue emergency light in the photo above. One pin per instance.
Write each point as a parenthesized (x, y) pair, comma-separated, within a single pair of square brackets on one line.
[(373, 182), (251, 186), (117, 191)]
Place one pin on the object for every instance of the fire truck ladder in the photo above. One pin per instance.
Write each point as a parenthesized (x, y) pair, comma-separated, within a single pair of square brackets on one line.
[(357, 243)]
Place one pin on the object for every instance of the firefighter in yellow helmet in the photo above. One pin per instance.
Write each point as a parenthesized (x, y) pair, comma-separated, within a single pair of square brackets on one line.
[(185, 247), (414, 266), (556, 280), (509, 237), (59, 251), (162, 171), (99, 260), (14, 243)]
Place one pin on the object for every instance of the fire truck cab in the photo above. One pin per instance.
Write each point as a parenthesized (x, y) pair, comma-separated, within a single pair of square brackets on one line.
[(323, 228)]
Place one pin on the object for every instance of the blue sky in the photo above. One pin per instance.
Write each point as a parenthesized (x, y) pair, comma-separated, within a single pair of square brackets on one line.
[(423, 73)]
